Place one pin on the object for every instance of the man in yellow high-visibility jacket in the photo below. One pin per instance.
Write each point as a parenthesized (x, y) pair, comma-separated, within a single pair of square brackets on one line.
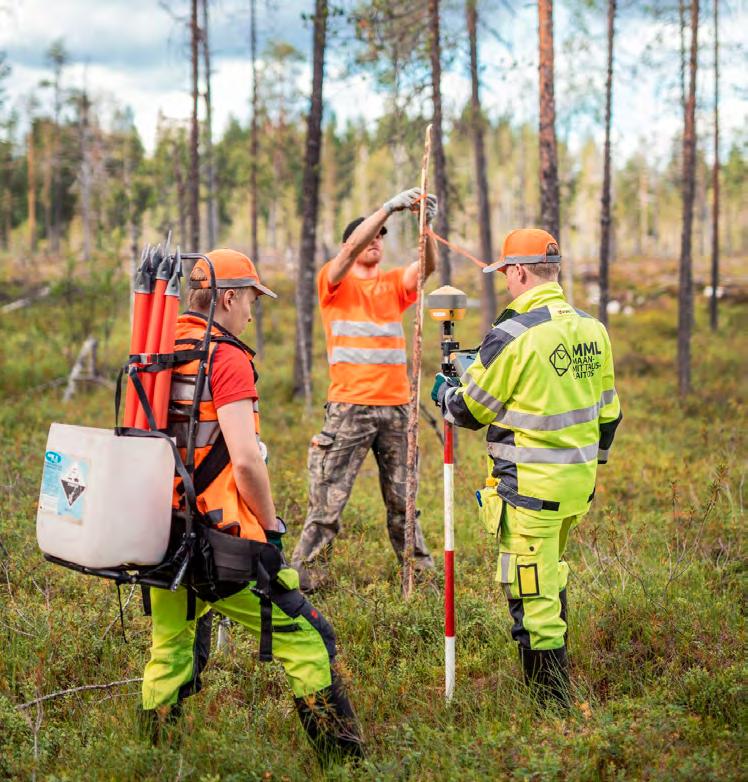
[(543, 383)]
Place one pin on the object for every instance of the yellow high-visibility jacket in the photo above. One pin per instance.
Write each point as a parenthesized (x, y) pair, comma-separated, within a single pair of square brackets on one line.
[(543, 382)]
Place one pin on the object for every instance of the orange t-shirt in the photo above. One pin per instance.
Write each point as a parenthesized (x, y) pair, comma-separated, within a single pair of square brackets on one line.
[(365, 337)]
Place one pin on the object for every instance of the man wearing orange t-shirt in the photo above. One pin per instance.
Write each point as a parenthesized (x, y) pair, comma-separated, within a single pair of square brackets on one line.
[(367, 408)]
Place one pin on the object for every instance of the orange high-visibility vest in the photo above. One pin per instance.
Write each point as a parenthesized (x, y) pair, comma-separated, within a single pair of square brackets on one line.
[(220, 503), (365, 337)]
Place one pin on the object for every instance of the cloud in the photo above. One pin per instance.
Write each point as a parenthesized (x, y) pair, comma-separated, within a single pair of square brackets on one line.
[(134, 53)]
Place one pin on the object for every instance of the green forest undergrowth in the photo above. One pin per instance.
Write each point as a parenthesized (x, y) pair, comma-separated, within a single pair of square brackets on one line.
[(657, 633)]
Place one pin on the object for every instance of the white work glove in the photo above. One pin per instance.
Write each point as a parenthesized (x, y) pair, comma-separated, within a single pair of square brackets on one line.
[(405, 200), (432, 207)]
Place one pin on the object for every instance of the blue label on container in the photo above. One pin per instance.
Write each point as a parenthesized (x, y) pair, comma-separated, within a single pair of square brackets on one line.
[(64, 485)]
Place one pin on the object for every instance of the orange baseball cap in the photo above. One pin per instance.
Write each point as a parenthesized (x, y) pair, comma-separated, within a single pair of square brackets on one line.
[(526, 245), (233, 270)]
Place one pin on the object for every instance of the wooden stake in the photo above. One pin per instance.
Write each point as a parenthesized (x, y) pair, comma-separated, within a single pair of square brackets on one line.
[(411, 486)]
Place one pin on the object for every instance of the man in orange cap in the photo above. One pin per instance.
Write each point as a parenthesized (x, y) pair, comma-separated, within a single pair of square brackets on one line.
[(238, 525), (543, 383), (367, 409)]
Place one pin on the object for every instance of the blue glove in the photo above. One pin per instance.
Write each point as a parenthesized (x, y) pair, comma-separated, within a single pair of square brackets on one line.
[(441, 383), (275, 536)]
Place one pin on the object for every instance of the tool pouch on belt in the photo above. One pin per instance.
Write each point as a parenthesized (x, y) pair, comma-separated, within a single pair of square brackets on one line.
[(227, 561), (490, 507)]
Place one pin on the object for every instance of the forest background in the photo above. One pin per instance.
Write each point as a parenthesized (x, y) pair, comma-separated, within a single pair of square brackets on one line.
[(657, 629)]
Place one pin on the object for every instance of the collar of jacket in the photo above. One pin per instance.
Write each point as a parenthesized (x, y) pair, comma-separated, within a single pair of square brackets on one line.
[(536, 297)]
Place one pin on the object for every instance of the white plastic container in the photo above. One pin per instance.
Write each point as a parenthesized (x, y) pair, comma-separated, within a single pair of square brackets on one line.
[(105, 501)]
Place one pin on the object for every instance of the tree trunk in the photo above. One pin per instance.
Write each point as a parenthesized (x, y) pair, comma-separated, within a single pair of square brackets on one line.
[(254, 152), (31, 187), (685, 294), (682, 31), (440, 166), (47, 182), (85, 177), (713, 312), (209, 166), (181, 196), (549, 206), (643, 226), (194, 186), (310, 206), (477, 127), (605, 199), (55, 194)]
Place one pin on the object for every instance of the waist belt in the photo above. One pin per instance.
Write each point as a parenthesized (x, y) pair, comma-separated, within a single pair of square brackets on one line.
[(228, 558), (517, 500)]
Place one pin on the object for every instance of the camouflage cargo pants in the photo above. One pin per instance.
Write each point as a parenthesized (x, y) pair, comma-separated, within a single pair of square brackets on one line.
[(335, 457)]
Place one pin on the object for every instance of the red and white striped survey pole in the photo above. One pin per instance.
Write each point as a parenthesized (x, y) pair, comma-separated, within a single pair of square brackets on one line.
[(446, 305), (449, 564)]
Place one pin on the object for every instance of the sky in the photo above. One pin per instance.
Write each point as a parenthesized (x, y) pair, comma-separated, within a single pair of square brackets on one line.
[(134, 53)]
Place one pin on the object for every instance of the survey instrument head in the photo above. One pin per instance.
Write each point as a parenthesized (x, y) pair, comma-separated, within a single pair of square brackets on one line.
[(446, 304), (233, 270)]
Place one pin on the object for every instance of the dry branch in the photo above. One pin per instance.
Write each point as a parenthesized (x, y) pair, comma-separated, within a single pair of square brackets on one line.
[(19, 304), (84, 369), (83, 688)]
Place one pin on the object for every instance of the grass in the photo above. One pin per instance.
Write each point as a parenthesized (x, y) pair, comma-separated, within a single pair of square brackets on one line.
[(657, 629)]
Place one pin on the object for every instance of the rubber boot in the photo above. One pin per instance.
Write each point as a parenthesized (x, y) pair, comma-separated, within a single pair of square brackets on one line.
[(564, 614), (157, 726), (331, 725), (546, 673)]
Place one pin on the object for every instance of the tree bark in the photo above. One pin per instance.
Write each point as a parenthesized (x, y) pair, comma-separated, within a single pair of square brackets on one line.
[(685, 294), (181, 196), (194, 178), (440, 166), (31, 187), (713, 310), (47, 181), (682, 32), (479, 147), (55, 194), (210, 173), (549, 198), (254, 152), (85, 176), (310, 207), (411, 481), (605, 198)]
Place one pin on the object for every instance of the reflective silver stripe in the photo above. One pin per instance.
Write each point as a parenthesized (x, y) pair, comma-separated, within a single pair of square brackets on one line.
[(255, 406), (506, 559), (341, 355), (207, 433), (608, 396), (184, 389), (512, 327), (532, 259), (449, 393), (602, 454), (551, 423), (524, 455), (482, 397), (363, 328)]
